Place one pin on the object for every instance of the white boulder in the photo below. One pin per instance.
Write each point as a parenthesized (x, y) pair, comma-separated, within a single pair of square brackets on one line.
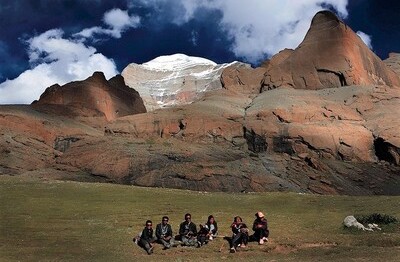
[(351, 221)]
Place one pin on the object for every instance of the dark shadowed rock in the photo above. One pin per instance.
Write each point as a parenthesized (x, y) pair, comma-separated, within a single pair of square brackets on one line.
[(255, 142), (331, 55)]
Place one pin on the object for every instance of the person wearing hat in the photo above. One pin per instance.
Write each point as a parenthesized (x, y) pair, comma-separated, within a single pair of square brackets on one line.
[(260, 228)]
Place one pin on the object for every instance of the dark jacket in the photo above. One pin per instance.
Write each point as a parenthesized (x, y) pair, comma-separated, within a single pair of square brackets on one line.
[(237, 226), (215, 227), (147, 234), (159, 233), (263, 222), (187, 230), (203, 231)]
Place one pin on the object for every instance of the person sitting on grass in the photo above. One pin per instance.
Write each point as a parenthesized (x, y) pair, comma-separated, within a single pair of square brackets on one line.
[(212, 227), (260, 228), (240, 234), (188, 231), (164, 233), (147, 239), (202, 236)]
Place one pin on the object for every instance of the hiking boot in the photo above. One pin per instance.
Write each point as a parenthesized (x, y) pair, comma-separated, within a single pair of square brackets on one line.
[(150, 250), (198, 244), (232, 250)]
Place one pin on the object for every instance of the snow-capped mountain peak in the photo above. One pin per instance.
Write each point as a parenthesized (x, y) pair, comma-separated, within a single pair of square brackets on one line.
[(176, 62), (173, 79)]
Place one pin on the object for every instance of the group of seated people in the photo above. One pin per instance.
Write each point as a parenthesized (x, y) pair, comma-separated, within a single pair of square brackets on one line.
[(189, 236)]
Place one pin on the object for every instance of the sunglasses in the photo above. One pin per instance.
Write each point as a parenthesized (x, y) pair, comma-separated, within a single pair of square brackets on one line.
[(149, 225)]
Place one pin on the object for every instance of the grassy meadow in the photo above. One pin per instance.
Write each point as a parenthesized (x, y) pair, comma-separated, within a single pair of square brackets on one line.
[(71, 221)]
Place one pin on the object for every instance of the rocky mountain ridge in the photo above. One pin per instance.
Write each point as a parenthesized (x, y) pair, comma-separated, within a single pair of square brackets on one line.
[(331, 55), (249, 134), (93, 97)]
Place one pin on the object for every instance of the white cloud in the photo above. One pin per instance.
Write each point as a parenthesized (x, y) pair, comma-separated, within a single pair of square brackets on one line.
[(51, 46), (195, 37), (55, 60), (366, 38), (117, 20), (258, 28), (89, 32), (27, 86), (58, 59)]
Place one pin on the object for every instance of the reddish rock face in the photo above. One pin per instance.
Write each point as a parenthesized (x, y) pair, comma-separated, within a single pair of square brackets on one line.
[(326, 141), (32, 140), (242, 78), (95, 96), (331, 55), (393, 62)]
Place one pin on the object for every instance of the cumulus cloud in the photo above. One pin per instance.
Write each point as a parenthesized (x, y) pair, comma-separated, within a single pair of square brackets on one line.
[(55, 58), (366, 38), (117, 21), (257, 28)]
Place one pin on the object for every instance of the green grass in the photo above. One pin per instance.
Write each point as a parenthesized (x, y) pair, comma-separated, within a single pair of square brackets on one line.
[(71, 221)]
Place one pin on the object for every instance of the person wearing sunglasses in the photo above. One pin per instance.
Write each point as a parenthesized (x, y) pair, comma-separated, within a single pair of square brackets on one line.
[(188, 231), (147, 238), (164, 233)]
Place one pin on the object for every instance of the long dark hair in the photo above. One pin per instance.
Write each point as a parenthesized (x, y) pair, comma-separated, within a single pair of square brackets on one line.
[(209, 218), (236, 217)]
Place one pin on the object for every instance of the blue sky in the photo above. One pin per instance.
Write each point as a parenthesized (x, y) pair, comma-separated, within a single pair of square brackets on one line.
[(43, 42)]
